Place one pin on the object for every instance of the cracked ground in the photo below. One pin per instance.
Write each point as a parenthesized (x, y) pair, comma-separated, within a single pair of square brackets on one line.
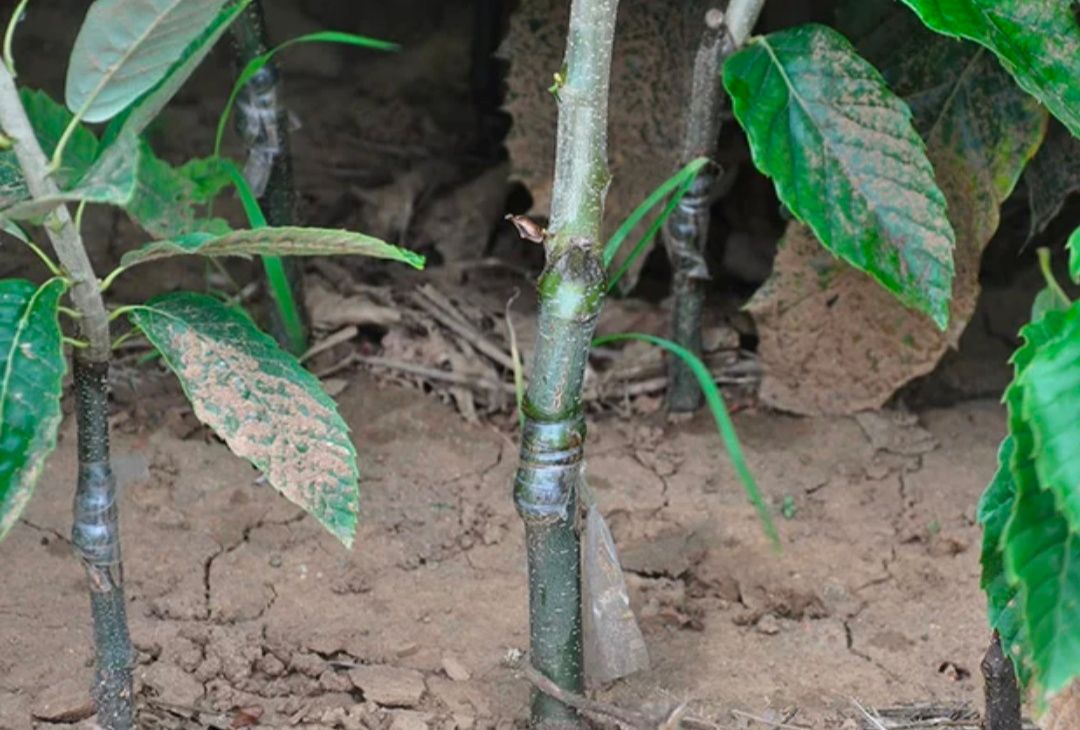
[(241, 607)]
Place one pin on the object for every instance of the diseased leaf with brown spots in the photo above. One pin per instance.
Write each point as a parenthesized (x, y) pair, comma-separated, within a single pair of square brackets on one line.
[(833, 341), (846, 160), (1038, 41), (31, 374), (261, 401), (281, 241)]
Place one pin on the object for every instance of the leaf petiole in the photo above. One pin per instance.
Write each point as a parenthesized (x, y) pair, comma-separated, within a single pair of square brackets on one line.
[(9, 35)]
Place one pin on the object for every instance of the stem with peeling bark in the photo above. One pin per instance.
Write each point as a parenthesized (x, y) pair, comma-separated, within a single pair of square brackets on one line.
[(571, 294), (95, 529), (263, 124)]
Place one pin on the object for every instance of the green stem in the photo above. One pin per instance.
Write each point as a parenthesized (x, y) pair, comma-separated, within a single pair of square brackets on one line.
[(263, 124), (572, 290), (687, 230), (9, 36), (60, 228), (95, 535)]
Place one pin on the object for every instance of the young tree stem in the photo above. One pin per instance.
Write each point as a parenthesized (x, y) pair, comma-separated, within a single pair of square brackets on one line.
[(96, 538), (741, 17), (95, 530), (571, 294), (263, 124), (1002, 692), (686, 231), (61, 229)]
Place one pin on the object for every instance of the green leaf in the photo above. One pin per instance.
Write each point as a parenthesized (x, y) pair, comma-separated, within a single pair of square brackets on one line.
[(49, 120), (1051, 408), (846, 160), (1036, 40), (1023, 570), (261, 401), (259, 62), (1043, 556), (32, 369), (145, 109), (168, 202), (720, 415), (110, 181), (283, 241), (1074, 255), (995, 508), (125, 47)]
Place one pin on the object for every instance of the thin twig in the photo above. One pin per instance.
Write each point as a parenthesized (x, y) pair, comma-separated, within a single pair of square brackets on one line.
[(439, 307), (628, 718), (781, 725), (444, 376), (342, 335)]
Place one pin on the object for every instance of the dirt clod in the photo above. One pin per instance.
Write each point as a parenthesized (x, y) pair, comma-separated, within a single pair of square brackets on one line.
[(388, 686), (455, 669)]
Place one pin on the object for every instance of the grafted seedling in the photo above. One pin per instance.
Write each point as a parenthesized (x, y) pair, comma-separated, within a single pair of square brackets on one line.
[(265, 406)]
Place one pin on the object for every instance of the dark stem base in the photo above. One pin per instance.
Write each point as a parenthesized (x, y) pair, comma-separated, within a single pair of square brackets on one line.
[(263, 123), (95, 535), (1002, 692)]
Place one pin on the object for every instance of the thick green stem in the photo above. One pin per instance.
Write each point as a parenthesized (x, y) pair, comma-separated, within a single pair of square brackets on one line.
[(572, 289), (263, 123), (95, 535), (687, 229)]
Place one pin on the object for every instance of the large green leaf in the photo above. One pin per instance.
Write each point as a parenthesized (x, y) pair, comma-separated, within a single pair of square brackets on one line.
[(145, 109), (282, 241), (1051, 408), (111, 181), (31, 375), (261, 401), (846, 160), (995, 508), (1038, 41), (1043, 556), (1029, 550), (49, 120), (125, 47), (168, 202)]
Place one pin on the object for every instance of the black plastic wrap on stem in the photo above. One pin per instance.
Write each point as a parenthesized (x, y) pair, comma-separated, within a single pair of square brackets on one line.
[(262, 121), (571, 294), (687, 229), (548, 479), (1002, 691), (95, 535)]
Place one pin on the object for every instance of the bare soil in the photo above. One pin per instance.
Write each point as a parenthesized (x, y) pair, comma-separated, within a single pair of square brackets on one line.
[(237, 600), (246, 613)]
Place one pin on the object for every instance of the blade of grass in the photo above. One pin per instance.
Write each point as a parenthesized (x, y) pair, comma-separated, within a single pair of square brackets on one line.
[(275, 269), (650, 234), (256, 64), (720, 413), (683, 176)]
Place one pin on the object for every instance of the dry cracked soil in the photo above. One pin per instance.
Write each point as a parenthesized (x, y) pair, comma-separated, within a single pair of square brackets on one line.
[(244, 611)]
